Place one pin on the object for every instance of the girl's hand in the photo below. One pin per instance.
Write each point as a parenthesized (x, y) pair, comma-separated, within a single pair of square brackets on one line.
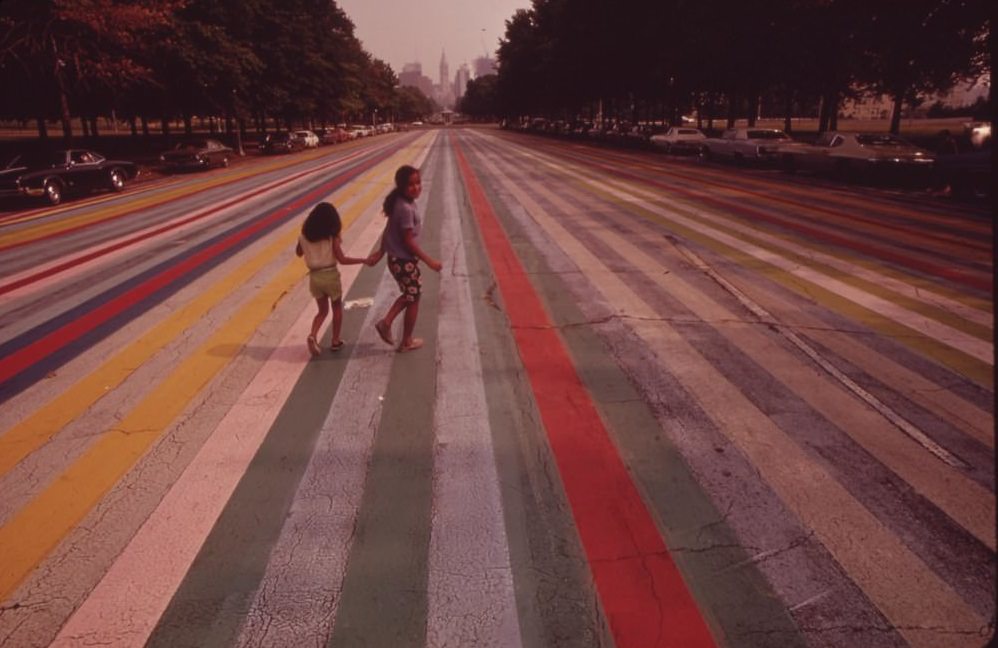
[(373, 258), (435, 265)]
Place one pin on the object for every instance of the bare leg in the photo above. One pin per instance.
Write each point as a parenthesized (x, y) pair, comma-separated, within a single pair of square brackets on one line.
[(409, 323), (337, 322), (320, 317)]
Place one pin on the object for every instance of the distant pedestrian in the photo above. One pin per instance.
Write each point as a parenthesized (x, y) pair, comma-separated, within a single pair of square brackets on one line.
[(320, 245), (400, 242)]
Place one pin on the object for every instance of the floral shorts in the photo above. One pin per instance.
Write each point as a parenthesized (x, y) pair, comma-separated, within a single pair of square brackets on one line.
[(406, 273)]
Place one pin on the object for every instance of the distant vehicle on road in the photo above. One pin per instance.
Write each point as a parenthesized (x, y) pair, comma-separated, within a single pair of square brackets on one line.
[(197, 154), (333, 135), (282, 143), (311, 139), (854, 154), (54, 174), (745, 144), (679, 139)]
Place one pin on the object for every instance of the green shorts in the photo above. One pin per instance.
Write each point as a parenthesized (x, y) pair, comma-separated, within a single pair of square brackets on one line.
[(325, 282)]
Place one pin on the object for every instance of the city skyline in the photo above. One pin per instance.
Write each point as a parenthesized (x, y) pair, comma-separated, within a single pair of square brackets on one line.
[(404, 32)]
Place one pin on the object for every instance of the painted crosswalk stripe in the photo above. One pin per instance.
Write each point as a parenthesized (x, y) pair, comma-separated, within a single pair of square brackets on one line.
[(471, 600), (644, 595)]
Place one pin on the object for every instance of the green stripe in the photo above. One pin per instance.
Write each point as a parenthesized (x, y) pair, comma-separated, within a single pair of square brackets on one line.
[(211, 603), (384, 599), (738, 603), (555, 598)]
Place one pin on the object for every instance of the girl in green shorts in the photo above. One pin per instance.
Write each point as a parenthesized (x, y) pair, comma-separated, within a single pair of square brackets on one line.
[(320, 245)]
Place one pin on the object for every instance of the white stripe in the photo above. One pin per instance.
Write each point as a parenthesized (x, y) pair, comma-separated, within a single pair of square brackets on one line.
[(298, 598), (124, 607), (470, 590)]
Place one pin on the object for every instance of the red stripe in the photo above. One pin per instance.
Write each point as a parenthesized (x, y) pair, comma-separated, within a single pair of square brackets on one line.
[(969, 278), (641, 590), (23, 358), (14, 285)]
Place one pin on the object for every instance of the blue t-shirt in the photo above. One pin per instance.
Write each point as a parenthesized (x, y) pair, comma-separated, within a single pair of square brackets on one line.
[(404, 216)]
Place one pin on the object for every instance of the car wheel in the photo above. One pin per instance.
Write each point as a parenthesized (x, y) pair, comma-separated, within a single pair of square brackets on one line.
[(225, 161), (53, 192), (787, 164), (703, 154), (117, 178)]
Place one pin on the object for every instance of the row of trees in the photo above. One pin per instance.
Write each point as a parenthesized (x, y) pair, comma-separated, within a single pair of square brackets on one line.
[(294, 61), (657, 59)]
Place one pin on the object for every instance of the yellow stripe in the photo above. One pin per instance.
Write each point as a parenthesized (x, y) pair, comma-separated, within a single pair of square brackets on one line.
[(33, 432), (52, 228), (38, 528), (976, 370)]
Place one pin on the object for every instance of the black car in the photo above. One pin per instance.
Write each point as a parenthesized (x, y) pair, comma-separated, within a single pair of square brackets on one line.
[(282, 143), (197, 154), (53, 174)]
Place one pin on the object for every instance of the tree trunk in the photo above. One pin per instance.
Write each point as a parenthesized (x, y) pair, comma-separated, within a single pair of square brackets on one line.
[(93, 126), (43, 131), (896, 113), (753, 109), (165, 125), (145, 126), (84, 127), (788, 111), (133, 126), (187, 124), (732, 110)]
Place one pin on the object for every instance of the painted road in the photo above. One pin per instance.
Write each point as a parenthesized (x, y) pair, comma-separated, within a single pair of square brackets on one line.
[(660, 404)]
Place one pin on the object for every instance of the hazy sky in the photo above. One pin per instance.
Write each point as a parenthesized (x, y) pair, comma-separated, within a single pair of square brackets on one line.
[(408, 31)]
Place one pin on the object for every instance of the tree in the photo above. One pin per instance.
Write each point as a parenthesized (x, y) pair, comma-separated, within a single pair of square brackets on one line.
[(81, 47), (924, 47), (480, 100)]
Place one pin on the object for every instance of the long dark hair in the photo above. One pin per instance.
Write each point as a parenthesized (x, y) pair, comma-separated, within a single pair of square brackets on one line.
[(402, 176), (322, 222)]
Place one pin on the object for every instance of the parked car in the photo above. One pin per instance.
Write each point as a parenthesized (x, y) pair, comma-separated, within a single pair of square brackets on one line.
[(745, 144), (197, 154), (847, 154), (333, 135), (679, 139), (282, 143), (310, 138), (54, 174), (359, 130)]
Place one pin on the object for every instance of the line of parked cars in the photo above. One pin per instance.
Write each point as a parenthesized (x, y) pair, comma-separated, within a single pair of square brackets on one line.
[(837, 154)]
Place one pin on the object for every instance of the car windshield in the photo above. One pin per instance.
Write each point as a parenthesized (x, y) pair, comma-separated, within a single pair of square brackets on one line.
[(280, 137), (37, 159), (880, 140), (767, 134)]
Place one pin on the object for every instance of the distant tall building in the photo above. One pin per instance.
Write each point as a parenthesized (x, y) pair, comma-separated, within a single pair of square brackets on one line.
[(461, 78), (484, 65), (444, 91), (444, 70), (412, 75)]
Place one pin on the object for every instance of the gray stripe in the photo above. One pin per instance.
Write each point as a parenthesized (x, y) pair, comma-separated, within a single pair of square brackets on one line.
[(212, 602), (384, 592)]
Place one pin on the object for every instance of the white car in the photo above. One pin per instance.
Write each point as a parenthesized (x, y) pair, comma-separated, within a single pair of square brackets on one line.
[(679, 139), (311, 139), (745, 144)]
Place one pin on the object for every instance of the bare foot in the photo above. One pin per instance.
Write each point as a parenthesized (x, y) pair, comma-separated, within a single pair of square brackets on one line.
[(313, 345), (386, 334), (414, 344)]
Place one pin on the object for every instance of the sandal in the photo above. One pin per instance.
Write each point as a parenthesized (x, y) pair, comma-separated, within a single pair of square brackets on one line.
[(336, 346), (414, 344), (384, 332), (313, 345)]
